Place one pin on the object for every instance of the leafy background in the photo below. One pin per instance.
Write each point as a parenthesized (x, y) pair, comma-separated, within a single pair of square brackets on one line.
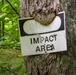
[(11, 61), (9, 24)]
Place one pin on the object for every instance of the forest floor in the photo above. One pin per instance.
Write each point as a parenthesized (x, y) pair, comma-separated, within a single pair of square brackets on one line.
[(11, 62)]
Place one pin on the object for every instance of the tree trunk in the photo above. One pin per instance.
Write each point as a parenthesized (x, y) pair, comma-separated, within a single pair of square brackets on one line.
[(62, 63)]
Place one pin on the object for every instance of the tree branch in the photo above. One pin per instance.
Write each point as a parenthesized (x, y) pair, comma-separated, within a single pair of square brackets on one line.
[(12, 7), (9, 35)]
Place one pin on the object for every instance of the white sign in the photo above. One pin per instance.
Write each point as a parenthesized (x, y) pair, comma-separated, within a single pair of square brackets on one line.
[(38, 39)]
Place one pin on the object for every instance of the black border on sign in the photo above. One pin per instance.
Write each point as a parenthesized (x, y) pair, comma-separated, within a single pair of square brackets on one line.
[(22, 21)]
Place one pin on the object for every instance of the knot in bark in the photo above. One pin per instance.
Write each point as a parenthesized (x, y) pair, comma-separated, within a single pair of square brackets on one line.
[(44, 11)]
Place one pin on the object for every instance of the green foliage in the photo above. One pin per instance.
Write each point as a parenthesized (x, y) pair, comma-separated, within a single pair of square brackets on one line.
[(3, 15), (11, 62), (6, 43), (9, 17)]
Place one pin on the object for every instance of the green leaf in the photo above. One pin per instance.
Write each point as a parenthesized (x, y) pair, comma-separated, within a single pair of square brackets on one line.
[(3, 15), (1, 42)]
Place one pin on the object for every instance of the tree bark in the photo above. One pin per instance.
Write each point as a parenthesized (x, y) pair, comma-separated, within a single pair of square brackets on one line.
[(62, 63)]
